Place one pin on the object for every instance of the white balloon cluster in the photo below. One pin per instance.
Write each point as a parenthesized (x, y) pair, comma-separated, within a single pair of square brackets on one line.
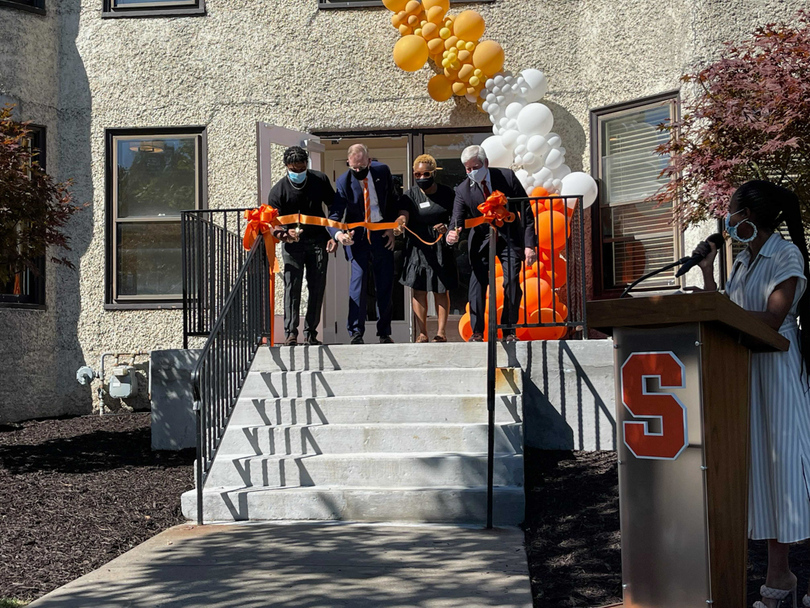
[(523, 139)]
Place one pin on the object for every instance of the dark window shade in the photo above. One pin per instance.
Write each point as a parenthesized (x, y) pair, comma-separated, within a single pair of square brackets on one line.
[(637, 236), (37, 6)]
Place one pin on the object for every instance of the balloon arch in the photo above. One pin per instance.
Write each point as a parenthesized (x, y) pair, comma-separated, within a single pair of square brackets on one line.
[(522, 139)]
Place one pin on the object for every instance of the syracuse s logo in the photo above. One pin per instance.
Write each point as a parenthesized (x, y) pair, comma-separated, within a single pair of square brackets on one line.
[(665, 407)]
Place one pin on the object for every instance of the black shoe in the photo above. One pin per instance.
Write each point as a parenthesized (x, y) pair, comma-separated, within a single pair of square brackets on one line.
[(386, 340), (291, 340), (357, 338), (511, 338), (477, 338), (312, 341)]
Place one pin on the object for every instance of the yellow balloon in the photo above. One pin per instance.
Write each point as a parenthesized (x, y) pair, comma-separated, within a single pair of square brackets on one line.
[(474, 81), (488, 57), (470, 46), (444, 33), (440, 88), (469, 25), (411, 53), (395, 5)]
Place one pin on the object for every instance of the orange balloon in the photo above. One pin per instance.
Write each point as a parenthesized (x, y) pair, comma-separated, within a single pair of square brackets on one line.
[(487, 56), (556, 269), (464, 327), (440, 88), (561, 309), (469, 26), (556, 204), (550, 230), (545, 315), (411, 53), (539, 191), (536, 293)]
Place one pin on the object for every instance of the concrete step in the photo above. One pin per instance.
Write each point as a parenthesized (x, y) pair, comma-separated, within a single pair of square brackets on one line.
[(378, 408), (358, 438), (379, 470), (459, 505), (377, 356), (331, 383)]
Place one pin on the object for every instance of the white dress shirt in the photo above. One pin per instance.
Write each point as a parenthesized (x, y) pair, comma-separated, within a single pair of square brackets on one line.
[(374, 204)]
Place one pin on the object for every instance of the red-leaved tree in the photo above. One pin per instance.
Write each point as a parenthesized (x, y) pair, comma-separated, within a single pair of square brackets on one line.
[(750, 119), (34, 208)]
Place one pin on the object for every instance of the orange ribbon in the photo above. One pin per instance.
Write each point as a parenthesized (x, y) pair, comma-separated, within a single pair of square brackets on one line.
[(494, 210)]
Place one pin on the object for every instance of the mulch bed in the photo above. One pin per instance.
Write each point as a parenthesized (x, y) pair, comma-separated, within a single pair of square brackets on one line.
[(80, 492), (572, 532)]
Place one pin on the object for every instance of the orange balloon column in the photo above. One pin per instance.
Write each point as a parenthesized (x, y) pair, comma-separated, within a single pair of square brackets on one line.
[(550, 230), (536, 294), (464, 327), (545, 315)]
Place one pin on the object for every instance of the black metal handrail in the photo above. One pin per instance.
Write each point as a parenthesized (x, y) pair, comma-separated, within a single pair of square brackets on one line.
[(212, 257), (575, 284), (243, 322)]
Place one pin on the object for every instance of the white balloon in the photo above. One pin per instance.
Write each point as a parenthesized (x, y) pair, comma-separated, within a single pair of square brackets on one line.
[(485, 106), (561, 171), (509, 79), (520, 80), (534, 165), (520, 149), (563, 150), (580, 183), (512, 124), (518, 159), (537, 84), (513, 109), (509, 138), (554, 159), (522, 174), (494, 109), (503, 121), (528, 158), (491, 98), (501, 99), (529, 182), (507, 88), (497, 154), (489, 83), (554, 140), (497, 130), (492, 118), (498, 80), (471, 98), (543, 175), (535, 119), (496, 90), (548, 185), (537, 144), (522, 139), (556, 183)]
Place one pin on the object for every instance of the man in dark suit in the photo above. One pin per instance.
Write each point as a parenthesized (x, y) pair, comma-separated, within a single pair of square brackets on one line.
[(516, 243), (366, 193)]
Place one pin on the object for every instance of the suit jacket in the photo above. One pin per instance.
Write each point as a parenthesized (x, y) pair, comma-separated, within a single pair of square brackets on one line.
[(469, 195), (348, 205)]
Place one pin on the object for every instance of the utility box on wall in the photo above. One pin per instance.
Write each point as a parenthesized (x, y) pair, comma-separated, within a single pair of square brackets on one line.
[(124, 383)]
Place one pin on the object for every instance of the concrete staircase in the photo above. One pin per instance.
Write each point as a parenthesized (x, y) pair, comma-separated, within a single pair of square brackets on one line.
[(368, 433)]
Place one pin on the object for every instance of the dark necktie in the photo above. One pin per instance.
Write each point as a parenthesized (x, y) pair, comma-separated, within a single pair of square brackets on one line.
[(485, 189)]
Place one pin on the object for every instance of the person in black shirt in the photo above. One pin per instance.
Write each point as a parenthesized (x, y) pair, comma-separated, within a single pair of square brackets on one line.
[(427, 208), (302, 191)]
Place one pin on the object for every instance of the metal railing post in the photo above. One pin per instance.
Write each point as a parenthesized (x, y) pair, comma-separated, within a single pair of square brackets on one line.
[(492, 362)]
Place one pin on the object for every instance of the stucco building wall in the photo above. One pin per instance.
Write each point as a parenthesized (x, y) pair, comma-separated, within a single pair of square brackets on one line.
[(286, 63)]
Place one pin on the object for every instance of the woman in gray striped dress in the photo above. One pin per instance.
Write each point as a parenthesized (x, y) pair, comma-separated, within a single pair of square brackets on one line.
[(769, 279)]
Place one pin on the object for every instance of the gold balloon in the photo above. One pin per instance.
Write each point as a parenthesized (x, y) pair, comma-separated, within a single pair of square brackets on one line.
[(488, 57), (413, 7), (413, 20), (464, 56), (436, 47), (443, 4), (396, 19), (459, 88), (440, 88), (435, 14), (465, 72), (395, 5), (450, 42), (411, 53), (404, 30), (469, 25), (429, 31)]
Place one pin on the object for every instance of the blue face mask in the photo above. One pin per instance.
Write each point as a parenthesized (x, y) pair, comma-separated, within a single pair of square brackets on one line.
[(732, 230), (478, 175), (297, 178)]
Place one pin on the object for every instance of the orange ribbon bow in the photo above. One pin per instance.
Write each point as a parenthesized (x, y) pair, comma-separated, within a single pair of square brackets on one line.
[(260, 221), (494, 209)]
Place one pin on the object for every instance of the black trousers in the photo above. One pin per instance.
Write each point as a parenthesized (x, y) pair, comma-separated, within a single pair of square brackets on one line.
[(304, 258), (511, 261)]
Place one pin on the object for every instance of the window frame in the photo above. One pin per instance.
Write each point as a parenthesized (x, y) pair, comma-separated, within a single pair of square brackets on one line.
[(39, 141), (111, 299), (168, 8), (36, 6), (597, 116), (344, 4)]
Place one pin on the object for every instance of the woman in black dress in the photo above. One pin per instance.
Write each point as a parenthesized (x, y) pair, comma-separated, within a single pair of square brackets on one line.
[(429, 262)]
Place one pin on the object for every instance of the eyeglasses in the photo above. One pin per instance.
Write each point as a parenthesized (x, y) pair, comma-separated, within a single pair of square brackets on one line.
[(418, 175)]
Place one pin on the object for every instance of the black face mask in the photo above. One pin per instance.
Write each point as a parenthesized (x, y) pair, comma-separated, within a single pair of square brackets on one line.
[(361, 174), (425, 183)]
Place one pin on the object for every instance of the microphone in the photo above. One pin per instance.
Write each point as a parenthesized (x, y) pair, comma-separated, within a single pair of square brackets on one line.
[(690, 262)]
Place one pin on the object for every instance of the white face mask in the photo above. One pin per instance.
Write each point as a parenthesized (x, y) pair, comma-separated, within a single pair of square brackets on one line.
[(478, 175)]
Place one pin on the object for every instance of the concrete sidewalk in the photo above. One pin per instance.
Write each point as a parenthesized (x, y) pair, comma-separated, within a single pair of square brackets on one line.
[(309, 565)]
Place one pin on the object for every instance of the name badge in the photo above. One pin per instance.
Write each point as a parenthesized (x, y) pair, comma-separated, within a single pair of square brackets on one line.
[(424, 205)]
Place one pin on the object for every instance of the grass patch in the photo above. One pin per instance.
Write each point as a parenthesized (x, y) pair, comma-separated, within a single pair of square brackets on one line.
[(10, 602)]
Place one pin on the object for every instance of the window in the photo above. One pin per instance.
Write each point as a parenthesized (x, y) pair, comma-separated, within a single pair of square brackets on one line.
[(27, 288), (34, 6), (152, 175), (370, 3), (152, 8), (636, 236)]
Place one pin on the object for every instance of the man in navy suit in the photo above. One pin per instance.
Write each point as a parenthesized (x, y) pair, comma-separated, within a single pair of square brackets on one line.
[(366, 193), (516, 243)]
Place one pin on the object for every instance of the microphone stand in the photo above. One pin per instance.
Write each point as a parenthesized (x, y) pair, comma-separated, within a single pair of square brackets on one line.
[(652, 274)]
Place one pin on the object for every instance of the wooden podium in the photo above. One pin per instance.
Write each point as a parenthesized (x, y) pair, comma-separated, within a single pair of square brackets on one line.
[(682, 391)]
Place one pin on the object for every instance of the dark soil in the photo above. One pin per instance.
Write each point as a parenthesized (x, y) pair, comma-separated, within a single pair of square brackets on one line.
[(572, 532), (80, 492)]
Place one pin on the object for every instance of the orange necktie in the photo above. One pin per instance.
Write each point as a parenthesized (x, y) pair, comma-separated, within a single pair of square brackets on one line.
[(367, 201)]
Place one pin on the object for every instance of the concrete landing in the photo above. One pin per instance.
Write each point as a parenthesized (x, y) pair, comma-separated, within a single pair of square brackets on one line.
[(310, 565)]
